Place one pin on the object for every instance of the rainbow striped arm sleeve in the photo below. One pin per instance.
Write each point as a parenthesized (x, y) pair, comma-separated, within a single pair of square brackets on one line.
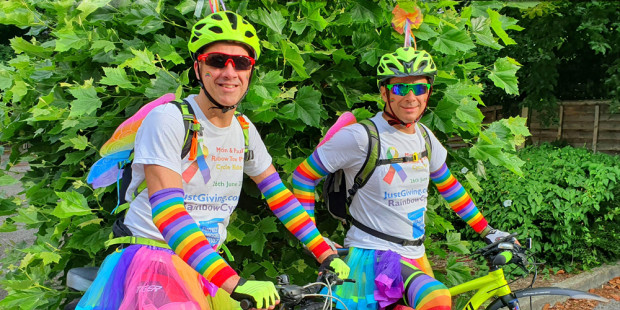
[(305, 178), (458, 199), (288, 209), (185, 237)]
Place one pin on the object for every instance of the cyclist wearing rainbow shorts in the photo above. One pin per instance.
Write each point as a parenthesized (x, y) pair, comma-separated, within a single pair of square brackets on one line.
[(184, 211), (392, 273)]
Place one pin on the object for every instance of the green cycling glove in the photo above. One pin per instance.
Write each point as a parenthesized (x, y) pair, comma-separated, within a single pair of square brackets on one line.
[(262, 293), (335, 264)]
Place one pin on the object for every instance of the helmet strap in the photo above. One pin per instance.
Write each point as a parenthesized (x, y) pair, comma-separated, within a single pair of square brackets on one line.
[(217, 104)]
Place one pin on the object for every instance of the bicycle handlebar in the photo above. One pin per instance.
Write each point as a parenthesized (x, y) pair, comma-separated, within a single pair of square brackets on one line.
[(293, 295), (504, 251)]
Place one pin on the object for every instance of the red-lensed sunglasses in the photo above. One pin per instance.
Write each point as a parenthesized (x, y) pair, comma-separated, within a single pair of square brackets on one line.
[(221, 60)]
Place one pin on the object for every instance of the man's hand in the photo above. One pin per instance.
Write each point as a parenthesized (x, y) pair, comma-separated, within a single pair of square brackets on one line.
[(262, 293), (335, 264), (491, 235)]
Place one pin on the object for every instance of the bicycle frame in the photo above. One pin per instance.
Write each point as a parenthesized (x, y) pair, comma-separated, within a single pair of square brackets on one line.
[(488, 286)]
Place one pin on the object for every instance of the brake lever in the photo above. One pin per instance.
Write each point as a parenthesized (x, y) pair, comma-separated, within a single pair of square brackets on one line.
[(492, 245)]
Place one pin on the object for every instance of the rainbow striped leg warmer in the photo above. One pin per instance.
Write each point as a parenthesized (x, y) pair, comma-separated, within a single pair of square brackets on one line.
[(458, 199), (185, 238), (288, 209), (305, 178)]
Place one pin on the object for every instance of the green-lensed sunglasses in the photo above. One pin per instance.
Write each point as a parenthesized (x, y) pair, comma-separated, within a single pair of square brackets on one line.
[(402, 89)]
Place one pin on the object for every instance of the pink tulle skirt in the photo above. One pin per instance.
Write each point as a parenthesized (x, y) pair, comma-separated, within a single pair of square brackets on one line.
[(149, 278)]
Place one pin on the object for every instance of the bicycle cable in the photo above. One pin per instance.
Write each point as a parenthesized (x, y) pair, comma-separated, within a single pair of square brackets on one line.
[(329, 297)]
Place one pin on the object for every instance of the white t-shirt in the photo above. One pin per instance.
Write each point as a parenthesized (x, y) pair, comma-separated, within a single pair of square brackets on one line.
[(159, 141), (394, 199)]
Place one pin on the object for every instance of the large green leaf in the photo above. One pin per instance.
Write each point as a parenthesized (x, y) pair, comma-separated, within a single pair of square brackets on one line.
[(164, 82), (6, 77), (271, 81), (20, 45), (27, 216), (468, 116), (70, 39), (116, 77), (144, 60), (19, 90), (23, 300), (364, 11), (306, 107), (256, 240), (17, 13), (86, 101), (70, 204), (504, 76), (482, 32), (453, 40), (293, 57), (315, 19), (273, 20), (89, 6), (496, 25)]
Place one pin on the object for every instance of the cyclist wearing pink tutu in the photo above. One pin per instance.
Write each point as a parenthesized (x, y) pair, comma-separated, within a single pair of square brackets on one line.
[(386, 239), (179, 221)]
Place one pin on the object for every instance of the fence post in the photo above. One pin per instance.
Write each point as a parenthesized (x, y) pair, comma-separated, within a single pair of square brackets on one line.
[(595, 131), (560, 125), (525, 114)]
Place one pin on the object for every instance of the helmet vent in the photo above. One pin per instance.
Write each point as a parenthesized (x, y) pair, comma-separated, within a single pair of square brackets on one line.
[(408, 66), (244, 22), (248, 34), (199, 26), (194, 39), (216, 17), (233, 20), (423, 64), (216, 29)]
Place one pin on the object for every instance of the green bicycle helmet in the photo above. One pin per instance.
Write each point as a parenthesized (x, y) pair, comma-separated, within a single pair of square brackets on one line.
[(406, 61), (223, 26)]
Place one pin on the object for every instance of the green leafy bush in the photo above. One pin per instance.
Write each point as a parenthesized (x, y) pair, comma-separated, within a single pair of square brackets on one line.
[(568, 202)]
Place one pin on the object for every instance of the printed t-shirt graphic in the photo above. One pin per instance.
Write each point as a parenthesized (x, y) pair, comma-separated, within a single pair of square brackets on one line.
[(200, 163), (210, 229), (394, 168)]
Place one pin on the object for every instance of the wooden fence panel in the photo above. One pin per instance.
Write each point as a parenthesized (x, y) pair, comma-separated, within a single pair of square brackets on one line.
[(582, 124)]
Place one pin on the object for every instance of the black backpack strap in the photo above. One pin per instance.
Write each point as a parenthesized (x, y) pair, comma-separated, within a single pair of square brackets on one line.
[(428, 148), (192, 127), (370, 163), (378, 234)]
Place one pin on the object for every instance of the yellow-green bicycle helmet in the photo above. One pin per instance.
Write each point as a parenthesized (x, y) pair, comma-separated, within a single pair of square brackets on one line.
[(223, 26), (406, 61)]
